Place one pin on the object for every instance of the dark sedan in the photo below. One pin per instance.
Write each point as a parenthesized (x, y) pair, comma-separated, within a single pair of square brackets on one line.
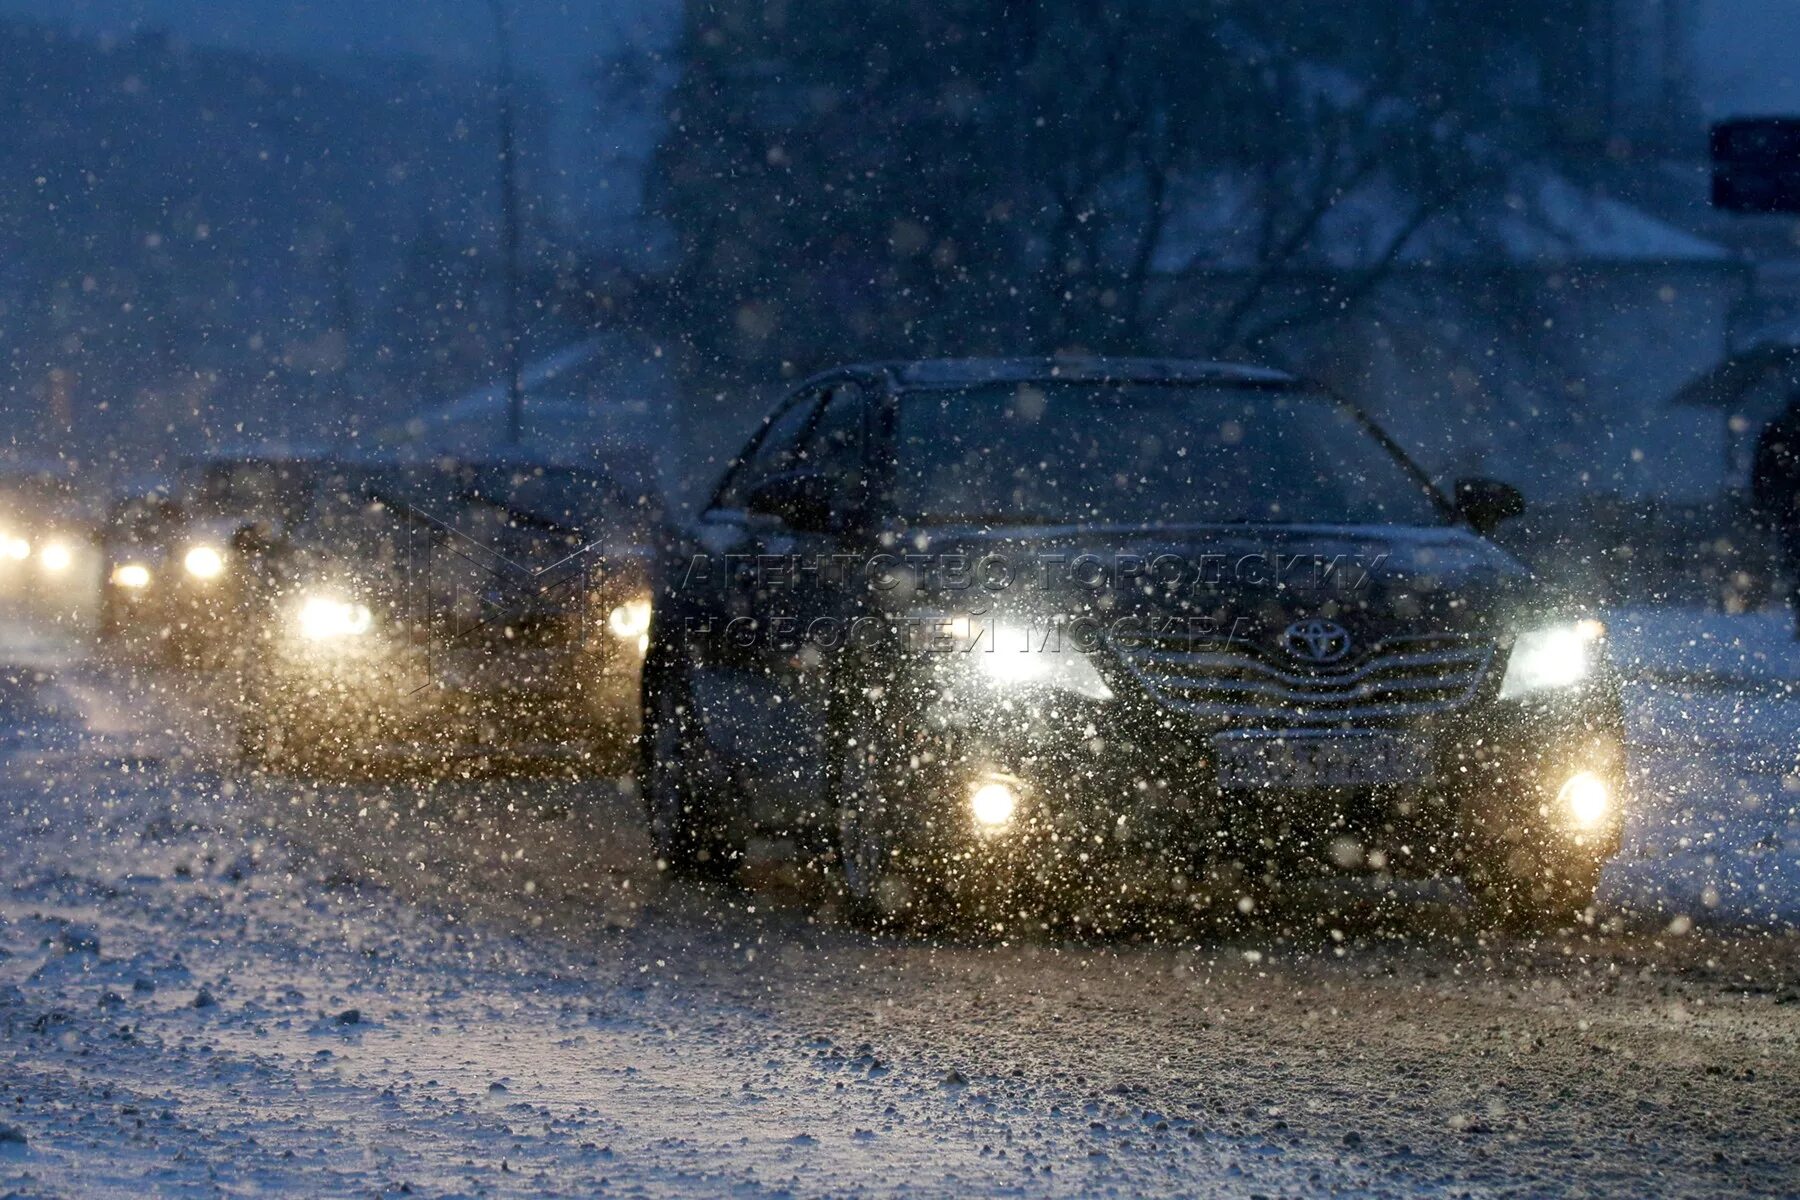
[(452, 607), (1020, 637)]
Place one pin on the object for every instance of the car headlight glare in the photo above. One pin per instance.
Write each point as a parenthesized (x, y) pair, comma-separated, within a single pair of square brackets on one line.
[(1065, 669), (629, 621), (204, 562), (1586, 799), (992, 803), (1551, 658), (56, 557), (326, 618), (15, 548), (131, 575), (1008, 657)]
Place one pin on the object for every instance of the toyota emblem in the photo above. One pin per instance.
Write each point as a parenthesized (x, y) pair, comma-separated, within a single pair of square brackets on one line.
[(1316, 641)]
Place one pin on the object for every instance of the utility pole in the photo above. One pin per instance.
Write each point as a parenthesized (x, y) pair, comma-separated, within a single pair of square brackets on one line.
[(509, 227)]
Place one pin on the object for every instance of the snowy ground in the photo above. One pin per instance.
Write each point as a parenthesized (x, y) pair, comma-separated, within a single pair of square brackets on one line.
[(217, 984), (1715, 716)]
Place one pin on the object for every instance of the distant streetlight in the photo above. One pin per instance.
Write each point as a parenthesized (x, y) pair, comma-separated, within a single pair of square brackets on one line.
[(509, 227)]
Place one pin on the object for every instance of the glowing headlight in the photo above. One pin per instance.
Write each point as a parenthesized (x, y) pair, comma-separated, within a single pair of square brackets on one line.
[(1553, 657), (630, 620), (55, 557), (204, 562), (992, 803), (1012, 663), (1006, 657), (16, 548), (322, 618), (131, 575), (1586, 799)]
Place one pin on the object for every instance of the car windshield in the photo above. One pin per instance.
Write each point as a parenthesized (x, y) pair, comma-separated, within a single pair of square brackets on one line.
[(1140, 454), (383, 510), (142, 519), (526, 497)]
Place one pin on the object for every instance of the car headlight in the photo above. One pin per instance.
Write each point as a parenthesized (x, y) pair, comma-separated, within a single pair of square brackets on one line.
[(15, 548), (1009, 657), (204, 562), (630, 620), (993, 802), (131, 575), (326, 618), (1552, 657), (56, 557)]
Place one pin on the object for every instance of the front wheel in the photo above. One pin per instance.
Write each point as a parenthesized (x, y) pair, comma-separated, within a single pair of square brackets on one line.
[(1532, 892), (910, 859), (689, 836), (881, 882)]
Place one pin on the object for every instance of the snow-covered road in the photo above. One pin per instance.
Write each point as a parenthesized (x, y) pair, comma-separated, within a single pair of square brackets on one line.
[(211, 983)]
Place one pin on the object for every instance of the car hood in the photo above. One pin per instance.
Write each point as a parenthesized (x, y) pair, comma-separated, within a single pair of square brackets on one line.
[(1377, 582), (216, 531)]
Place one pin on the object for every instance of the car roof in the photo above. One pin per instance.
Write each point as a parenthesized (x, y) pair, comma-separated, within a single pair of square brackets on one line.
[(488, 459), (281, 456), (950, 372)]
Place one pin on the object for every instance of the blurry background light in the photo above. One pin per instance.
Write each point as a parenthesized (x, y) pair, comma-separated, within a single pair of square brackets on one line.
[(204, 562), (630, 620), (131, 575), (325, 617), (56, 557), (993, 803)]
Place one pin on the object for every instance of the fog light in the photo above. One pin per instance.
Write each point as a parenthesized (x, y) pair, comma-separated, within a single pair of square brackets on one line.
[(993, 803), (1586, 798), (131, 575)]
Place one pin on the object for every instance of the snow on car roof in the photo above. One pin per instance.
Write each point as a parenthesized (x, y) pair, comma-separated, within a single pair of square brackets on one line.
[(951, 371)]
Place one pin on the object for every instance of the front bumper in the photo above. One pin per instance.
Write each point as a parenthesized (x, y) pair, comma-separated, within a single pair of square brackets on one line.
[(372, 696), (1112, 783)]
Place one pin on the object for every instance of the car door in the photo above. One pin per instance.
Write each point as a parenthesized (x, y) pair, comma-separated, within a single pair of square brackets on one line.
[(716, 599), (812, 589)]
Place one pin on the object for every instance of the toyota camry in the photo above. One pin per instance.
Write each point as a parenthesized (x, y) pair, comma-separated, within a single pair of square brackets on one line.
[(1013, 637)]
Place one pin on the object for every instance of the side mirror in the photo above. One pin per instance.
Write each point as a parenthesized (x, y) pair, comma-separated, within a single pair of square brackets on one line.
[(1484, 503), (804, 501)]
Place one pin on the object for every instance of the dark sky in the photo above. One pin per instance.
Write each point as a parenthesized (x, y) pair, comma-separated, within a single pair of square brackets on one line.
[(1749, 56), (555, 37), (556, 40), (1749, 50)]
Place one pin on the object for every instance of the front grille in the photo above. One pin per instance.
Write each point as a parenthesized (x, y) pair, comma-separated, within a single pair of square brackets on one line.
[(1398, 677), (524, 628)]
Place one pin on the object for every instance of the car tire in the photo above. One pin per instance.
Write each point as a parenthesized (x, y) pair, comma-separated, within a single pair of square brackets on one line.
[(267, 737), (880, 888), (690, 837), (1525, 892), (900, 870), (255, 740)]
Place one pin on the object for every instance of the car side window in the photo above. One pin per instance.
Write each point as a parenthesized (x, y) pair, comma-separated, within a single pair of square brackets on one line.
[(778, 451), (834, 447)]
